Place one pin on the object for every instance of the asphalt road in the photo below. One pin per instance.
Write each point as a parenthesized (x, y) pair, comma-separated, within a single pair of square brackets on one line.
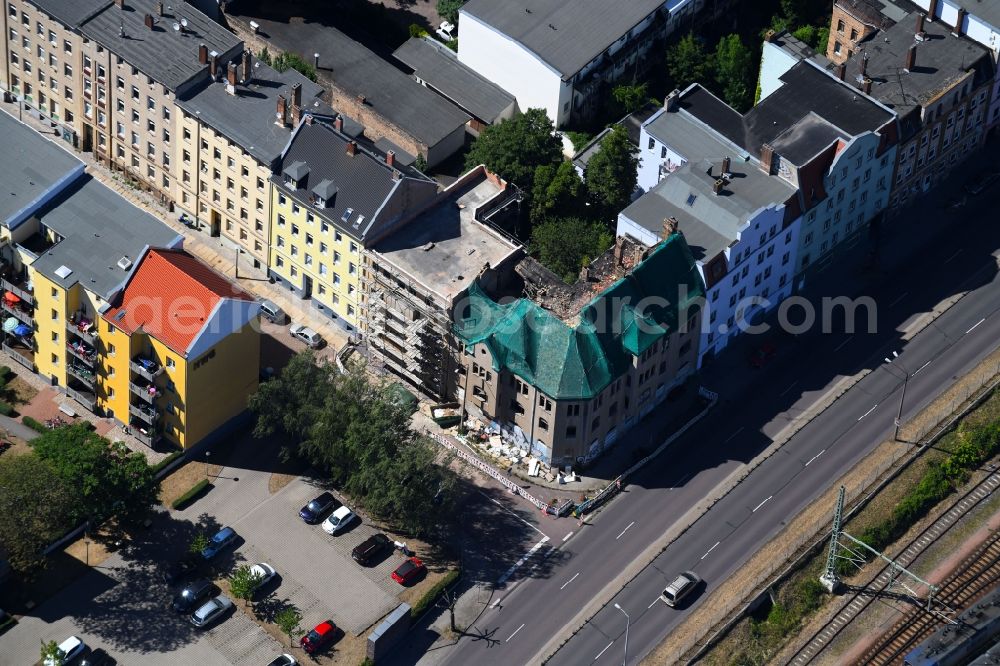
[(756, 405)]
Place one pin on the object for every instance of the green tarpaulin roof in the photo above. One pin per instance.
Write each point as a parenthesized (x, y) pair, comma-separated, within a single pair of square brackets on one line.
[(621, 322)]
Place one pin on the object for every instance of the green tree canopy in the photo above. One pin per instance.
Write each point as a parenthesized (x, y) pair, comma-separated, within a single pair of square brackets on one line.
[(564, 245), (110, 479), (288, 620), (611, 173), (514, 148), (688, 62), (448, 10), (556, 190), (243, 582), (631, 96), (734, 71), (35, 509)]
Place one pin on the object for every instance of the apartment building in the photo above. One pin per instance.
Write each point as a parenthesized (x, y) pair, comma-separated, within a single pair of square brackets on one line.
[(561, 55), (567, 370), (413, 280), (231, 134), (334, 195), (853, 22)]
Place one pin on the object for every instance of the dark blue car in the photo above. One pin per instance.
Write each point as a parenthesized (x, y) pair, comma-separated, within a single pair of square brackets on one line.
[(219, 542), (314, 511)]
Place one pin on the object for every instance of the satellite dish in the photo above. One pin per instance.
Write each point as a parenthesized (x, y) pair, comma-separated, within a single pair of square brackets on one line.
[(177, 27), (184, 22), (859, 78)]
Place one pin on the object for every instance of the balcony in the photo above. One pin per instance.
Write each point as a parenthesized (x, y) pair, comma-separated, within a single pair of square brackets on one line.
[(147, 435), (19, 287), (82, 327), (82, 352), (144, 390), (13, 305), (82, 395), (20, 352), (144, 413), (146, 368), (83, 374)]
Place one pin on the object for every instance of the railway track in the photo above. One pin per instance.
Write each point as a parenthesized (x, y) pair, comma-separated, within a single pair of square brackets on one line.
[(875, 588)]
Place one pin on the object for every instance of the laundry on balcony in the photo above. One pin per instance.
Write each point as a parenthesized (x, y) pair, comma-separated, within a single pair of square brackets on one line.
[(82, 371), (83, 349), (21, 330), (11, 298), (10, 324), (147, 365), (82, 324)]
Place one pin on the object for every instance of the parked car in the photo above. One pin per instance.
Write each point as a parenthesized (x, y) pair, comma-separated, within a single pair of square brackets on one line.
[(283, 660), (181, 569), (313, 512), (272, 312), (265, 571), (763, 354), (192, 595), (97, 657), (338, 520), (368, 550), (211, 611), (306, 335), (321, 636), (69, 649), (221, 541), (982, 183), (408, 571), (680, 587)]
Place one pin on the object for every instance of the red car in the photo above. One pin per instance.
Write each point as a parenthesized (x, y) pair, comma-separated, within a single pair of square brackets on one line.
[(321, 636), (408, 571)]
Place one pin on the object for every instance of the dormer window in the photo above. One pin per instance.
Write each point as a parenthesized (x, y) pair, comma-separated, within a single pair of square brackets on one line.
[(295, 174), (324, 194)]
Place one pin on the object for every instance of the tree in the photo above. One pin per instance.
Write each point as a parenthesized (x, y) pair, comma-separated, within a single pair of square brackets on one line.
[(199, 542), (51, 652), (565, 245), (287, 60), (448, 10), (733, 71), (243, 582), (288, 620), (109, 478), (515, 147), (611, 173), (687, 61), (35, 509), (556, 190), (631, 97)]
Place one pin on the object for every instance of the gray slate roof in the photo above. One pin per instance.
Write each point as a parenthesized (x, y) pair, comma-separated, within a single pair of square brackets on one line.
[(32, 166), (162, 53), (71, 12), (247, 118), (710, 221), (98, 227), (437, 65), (567, 34), (364, 182), (688, 137)]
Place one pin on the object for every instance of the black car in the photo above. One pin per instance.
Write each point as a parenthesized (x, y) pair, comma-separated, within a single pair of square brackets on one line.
[(97, 658), (181, 569), (193, 595), (314, 511), (367, 551)]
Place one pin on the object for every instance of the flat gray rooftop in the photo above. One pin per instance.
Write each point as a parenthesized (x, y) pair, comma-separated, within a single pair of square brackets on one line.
[(806, 139), (689, 137), (71, 12), (169, 56), (32, 166), (446, 248), (247, 118), (98, 228), (435, 63)]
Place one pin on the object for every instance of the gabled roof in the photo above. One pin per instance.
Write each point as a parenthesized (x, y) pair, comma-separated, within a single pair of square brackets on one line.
[(172, 297)]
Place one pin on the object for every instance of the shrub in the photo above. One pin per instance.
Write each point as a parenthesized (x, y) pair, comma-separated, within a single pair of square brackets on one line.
[(191, 495), (34, 424), (166, 461), (417, 30), (431, 595), (6, 408)]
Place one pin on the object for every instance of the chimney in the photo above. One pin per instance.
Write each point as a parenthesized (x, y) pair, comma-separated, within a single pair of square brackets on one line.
[(727, 163), (866, 86), (203, 54), (247, 67), (959, 20), (361, 99), (148, 21), (120, 4), (670, 103), (231, 74), (932, 10), (390, 158), (297, 94), (864, 63), (214, 65), (769, 36), (309, 119), (766, 158), (338, 124), (585, 274), (670, 226), (159, 9), (718, 185), (352, 148), (840, 70), (296, 115), (619, 249), (920, 24), (282, 111), (911, 58)]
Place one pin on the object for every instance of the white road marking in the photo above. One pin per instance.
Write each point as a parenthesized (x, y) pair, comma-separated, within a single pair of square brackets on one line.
[(922, 367), (570, 580), (867, 413), (899, 298), (957, 252), (524, 558), (654, 603), (603, 651), (762, 504), (515, 633), (625, 530), (975, 325), (566, 538), (848, 339), (710, 550), (788, 389), (815, 456), (735, 434), (499, 504)]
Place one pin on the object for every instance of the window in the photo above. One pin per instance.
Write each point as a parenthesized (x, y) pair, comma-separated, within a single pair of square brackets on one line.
[(840, 25), (854, 35), (135, 93), (836, 48), (171, 364)]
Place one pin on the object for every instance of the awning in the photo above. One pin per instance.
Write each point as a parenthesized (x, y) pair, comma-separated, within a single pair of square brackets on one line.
[(10, 324)]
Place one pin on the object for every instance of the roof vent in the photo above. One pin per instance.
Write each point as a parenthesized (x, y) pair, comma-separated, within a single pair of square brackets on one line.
[(124, 263), (428, 247), (64, 272)]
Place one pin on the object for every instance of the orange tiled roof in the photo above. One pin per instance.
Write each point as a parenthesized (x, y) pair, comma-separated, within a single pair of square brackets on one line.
[(171, 296)]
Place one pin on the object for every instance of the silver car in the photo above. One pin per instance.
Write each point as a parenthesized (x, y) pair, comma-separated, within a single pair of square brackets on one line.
[(211, 611), (680, 587), (306, 335)]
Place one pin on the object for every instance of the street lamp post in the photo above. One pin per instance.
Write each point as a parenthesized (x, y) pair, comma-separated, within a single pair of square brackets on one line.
[(902, 395), (628, 621)]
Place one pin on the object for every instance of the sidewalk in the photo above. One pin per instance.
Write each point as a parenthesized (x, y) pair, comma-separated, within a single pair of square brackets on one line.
[(218, 252)]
